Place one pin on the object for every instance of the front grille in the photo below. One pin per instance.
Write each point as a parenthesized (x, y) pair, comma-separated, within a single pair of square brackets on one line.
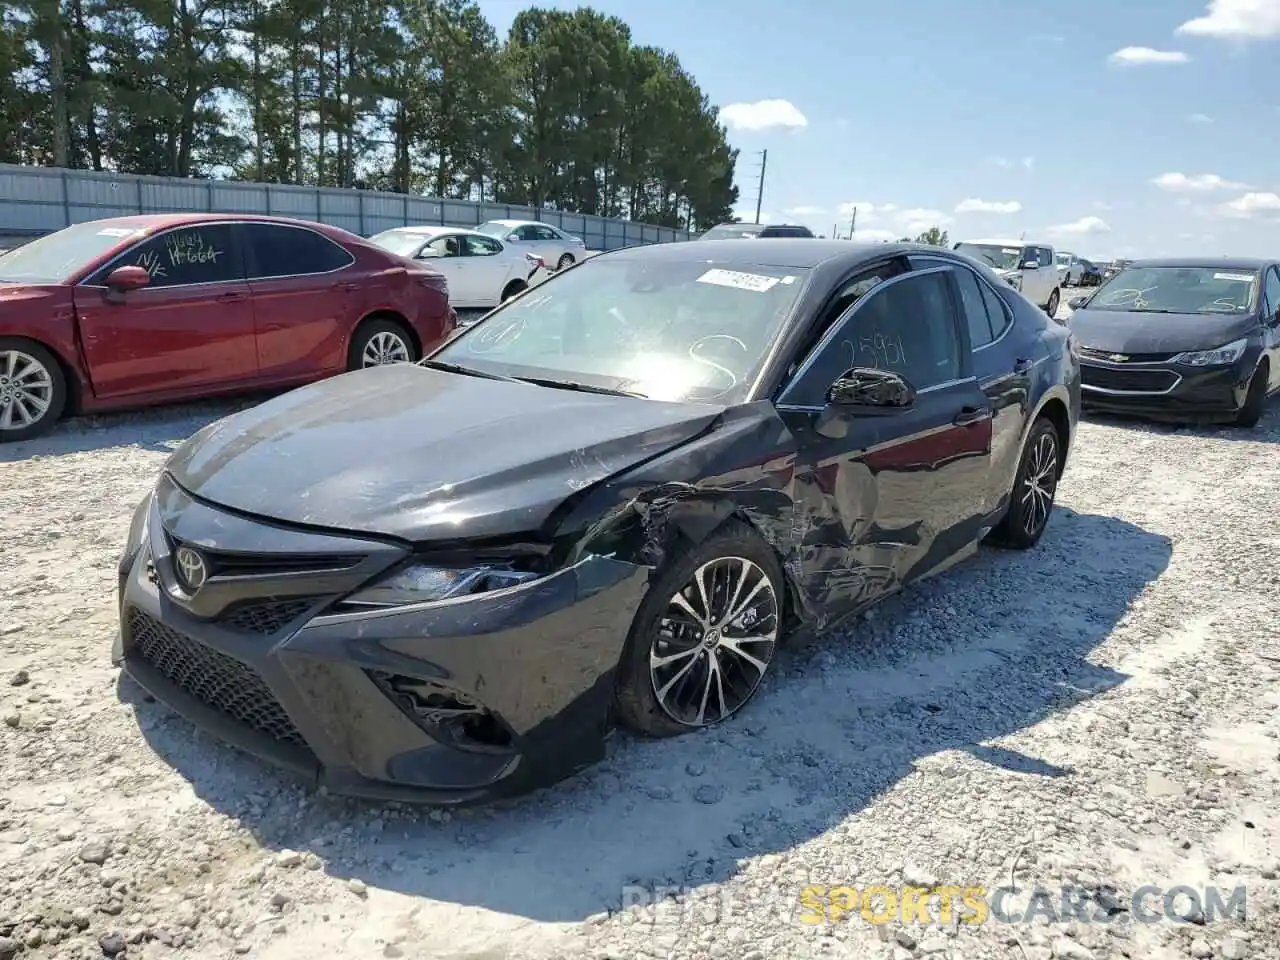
[(1092, 354), (1127, 380), (267, 617), (223, 564), (218, 681)]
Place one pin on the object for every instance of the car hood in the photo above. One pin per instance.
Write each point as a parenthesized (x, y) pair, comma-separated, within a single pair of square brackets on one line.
[(419, 454), (1123, 332)]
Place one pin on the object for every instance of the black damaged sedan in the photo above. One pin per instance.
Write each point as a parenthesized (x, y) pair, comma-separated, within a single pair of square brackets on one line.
[(1183, 340), (607, 503)]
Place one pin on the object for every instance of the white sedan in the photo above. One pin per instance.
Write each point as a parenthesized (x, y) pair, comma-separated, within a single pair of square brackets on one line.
[(556, 248), (482, 271)]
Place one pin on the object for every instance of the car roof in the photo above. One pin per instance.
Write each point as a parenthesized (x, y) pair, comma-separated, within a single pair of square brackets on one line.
[(161, 221), (771, 252), (1225, 263), (522, 223), (433, 230)]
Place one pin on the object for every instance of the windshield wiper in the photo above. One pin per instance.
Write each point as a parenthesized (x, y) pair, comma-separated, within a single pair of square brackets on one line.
[(1155, 310), (581, 387), (465, 371)]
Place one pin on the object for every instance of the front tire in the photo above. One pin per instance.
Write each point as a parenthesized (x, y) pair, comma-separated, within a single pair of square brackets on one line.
[(565, 262), (1051, 308), (33, 390), (1255, 400), (1034, 488), (704, 636), (377, 343), (514, 289)]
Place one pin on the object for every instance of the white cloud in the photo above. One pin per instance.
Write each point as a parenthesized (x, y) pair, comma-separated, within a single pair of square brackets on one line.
[(1196, 183), (1002, 162), (875, 235), (920, 219), (1139, 56), (1236, 20), (867, 210), (1085, 226), (1200, 118), (1028, 162), (1252, 205), (1101, 205), (763, 115), (974, 205), (804, 210)]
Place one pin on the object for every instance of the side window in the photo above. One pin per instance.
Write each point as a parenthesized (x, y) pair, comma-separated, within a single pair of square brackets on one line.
[(849, 294), (997, 313), (527, 232), (908, 327), (480, 246), (445, 246), (1271, 292), (546, 233), (292, 251), (197, 254), (1046, 257), (975, 309)]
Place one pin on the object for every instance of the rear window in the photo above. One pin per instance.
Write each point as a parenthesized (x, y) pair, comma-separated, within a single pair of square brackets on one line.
[(733, 231), (786, 232)]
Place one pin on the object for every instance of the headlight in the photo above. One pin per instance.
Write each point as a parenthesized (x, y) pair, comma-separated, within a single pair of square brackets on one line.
[(1217, 357), (1014, 280), (427, 584)]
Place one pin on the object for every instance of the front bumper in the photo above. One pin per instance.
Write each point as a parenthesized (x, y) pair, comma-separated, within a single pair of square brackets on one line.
[(366, 704), (1163, 391)]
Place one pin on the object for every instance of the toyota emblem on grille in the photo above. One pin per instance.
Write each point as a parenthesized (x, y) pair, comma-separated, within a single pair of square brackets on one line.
[(1118, 357), (192, 571)]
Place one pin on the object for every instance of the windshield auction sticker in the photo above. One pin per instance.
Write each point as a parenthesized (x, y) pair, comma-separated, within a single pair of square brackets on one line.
[(1239, 277), (741, 281)]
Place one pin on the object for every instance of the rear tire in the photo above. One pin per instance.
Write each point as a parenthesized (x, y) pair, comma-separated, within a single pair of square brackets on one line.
[(1051, 308), (514, 289), (1034, 488), (1255, 400), (689, 664), (565, 262), (378, 342), (33, 389)]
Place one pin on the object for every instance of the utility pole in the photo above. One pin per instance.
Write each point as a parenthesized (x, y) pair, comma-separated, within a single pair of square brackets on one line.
[(764, 161), (853, 222)]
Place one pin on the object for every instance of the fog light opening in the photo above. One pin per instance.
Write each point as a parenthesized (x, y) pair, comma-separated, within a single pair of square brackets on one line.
[(447, 715)]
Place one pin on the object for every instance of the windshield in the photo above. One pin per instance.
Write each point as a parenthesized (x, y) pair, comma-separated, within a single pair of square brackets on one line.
[(1064, 260), (57, 257), (733, 231), (495, 228), (402, 242), (680, 331), (999, 257), (1178, 290)]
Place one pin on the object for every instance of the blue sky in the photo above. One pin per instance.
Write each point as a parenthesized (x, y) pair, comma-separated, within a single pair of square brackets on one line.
[(1110, 129)]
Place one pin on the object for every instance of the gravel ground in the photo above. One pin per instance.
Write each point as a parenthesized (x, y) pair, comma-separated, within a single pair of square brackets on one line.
[(1099, 712)]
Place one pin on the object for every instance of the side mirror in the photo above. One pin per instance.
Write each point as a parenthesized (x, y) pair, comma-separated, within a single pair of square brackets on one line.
[(124, 279), (1075, 303), (865, 387), (1274, 321), (513, 238), (1031, 265)]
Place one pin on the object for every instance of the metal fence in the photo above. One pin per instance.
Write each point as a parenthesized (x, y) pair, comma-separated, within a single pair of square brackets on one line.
[(38, 200)]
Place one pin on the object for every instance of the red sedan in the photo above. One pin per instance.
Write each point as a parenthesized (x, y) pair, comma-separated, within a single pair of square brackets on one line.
[(139, 311)]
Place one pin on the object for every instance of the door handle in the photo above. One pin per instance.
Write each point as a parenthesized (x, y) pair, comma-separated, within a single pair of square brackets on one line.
[(970, 415), (1022, 366), (346, 286), (228, 297)]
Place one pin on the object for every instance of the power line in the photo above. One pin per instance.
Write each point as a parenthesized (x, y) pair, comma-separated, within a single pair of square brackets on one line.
[(764, 162)]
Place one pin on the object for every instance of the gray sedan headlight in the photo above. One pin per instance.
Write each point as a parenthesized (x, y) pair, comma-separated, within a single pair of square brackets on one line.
[(1217, 357), (1014, 280), (422, 583)]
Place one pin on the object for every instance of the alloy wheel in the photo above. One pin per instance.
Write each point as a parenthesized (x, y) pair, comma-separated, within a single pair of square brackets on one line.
[(715, 641), (1039, 483), (384, 347), (26, 390)]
